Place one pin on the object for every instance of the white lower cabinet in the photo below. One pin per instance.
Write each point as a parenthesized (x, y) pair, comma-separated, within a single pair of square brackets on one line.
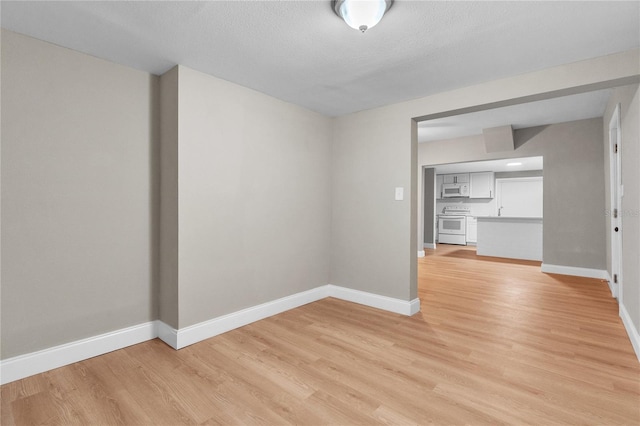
[(472, 230)]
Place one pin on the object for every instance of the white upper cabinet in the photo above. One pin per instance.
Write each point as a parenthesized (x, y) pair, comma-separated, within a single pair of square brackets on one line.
[(462, 178), (481, 185), (456, 178), (439, 182)]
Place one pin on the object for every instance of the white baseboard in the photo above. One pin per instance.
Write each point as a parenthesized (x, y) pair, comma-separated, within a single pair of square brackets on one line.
[(21, 366), (183, 337), (414, 307), (430, 245), (632, 331), (421, 253), (195, 333), (575, 271), (390, 304), (168, 334), (613, 287), (37, 362)]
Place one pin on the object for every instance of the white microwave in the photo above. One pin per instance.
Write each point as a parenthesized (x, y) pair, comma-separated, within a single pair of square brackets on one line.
[(455, 190)]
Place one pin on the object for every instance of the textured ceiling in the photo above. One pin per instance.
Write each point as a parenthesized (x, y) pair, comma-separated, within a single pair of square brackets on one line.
[(301, 52), (556, 110)]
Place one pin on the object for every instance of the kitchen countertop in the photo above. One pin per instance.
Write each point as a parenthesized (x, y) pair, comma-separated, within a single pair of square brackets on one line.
[(510, 218)]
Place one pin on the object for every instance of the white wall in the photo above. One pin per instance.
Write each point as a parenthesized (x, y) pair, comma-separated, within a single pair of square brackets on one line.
[(79, 198)]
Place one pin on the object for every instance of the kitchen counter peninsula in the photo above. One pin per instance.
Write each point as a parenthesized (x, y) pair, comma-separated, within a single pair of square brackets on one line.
[(511, 237)]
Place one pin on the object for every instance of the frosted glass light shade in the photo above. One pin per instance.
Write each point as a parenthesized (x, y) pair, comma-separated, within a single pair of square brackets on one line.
[(361, 14)]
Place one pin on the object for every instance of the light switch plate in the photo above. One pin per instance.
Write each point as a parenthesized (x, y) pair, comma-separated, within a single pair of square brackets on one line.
[(399, 193)]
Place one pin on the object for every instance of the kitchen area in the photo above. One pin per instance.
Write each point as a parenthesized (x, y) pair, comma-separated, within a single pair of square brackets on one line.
[(494, 205)]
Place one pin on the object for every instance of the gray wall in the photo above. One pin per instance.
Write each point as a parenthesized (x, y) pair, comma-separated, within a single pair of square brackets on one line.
[(371, 245), (78, 195), (629, 99), (268, 193), (253, 198), (168, 289), (429, 204), (374, 239), (245, 210), (574, 227)]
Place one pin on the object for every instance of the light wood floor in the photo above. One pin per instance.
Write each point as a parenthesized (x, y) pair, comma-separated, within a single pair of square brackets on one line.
[(496, 342)]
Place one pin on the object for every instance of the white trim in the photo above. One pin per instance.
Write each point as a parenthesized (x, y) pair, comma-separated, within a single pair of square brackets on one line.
[(613, 287), (421, 253), (168, 334), (414, 307), (375, 300), (195, 333), (207, 329), (430, 245), (574, 270), (632, 331), (22, 366), (37, 362), (615, 194)]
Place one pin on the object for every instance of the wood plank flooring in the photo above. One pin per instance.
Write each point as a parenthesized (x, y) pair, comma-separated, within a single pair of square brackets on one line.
[(496, 342)]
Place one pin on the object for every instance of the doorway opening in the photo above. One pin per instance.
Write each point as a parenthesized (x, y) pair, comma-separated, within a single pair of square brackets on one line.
[(520, 129), (507, 188)]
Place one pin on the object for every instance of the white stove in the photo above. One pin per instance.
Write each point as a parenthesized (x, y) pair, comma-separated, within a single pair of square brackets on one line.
[(452, 225), (456, 211)]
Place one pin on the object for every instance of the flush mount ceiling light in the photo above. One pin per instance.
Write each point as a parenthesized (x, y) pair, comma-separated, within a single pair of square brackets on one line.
[(361, 14)]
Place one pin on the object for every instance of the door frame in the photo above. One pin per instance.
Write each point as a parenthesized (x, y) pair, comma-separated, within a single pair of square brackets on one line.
[(615, 211)]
